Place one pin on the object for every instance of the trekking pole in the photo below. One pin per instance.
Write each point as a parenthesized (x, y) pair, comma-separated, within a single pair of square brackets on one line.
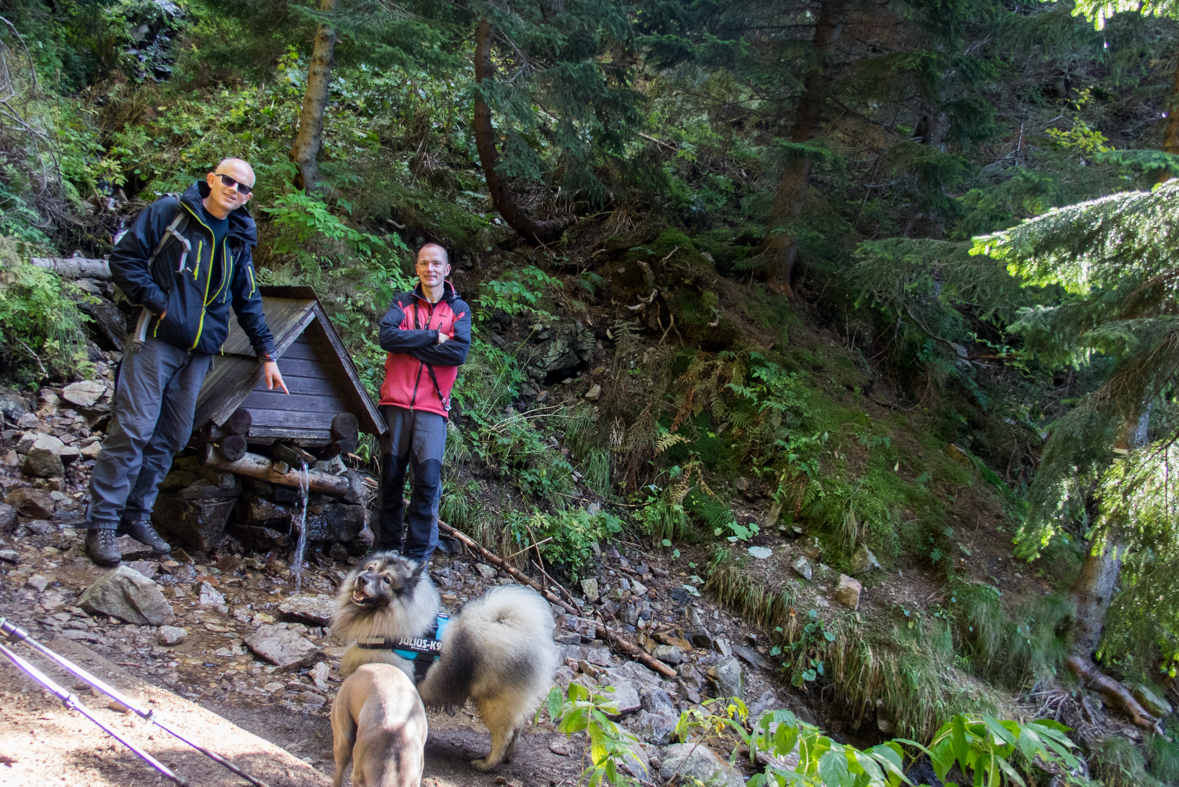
[(21, 635), (73, 703)]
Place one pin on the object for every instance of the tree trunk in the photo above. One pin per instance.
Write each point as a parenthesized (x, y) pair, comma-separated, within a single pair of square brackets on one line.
[(780, 248), (309, 139), (501, 195), (1171, 132), (1093, 592)]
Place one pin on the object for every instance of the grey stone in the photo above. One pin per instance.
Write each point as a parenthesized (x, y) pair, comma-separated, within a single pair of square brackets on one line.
[(599, 656), (129, 596), (727, 677), (585, 628), (335, 522), (40, 527), (863, 561), (625, 695), (149, 568), (311, 608), (669, 654), (696, 761), (590, 588), (9, 556), (767, 701), (319, 675), (31, 503), (198, 523), (656, 728), (802, 567), (262, 539), (283, 647), (204, 489), (1153, 704), (485, 571), (30, 440), (12, 405), (637, 763), (7, 518), (84, 394), (657, 701), (210, 597), (594, 393), (171, 635), (848, 592), (28, 421), (43, 463), (751, 657), (567, 637), (132, 550), (37, 583), (633, 671), (638, 587), (723, 647), (701, 637)]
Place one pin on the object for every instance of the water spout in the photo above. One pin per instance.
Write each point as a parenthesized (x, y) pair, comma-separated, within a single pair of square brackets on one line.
[(301, 526)]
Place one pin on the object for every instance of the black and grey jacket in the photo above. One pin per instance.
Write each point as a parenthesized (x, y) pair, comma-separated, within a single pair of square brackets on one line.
[(182, 281)]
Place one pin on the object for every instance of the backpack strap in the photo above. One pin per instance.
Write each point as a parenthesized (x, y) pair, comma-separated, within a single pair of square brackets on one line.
[(175, 231)]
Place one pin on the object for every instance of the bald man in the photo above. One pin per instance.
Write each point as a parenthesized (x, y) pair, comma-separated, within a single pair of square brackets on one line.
[(187, 261)]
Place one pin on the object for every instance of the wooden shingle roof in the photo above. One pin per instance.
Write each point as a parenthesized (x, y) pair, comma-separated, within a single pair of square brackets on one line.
[(291, 313)]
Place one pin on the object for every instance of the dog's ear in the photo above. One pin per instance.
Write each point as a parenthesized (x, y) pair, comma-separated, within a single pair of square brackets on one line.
[(416, 574)]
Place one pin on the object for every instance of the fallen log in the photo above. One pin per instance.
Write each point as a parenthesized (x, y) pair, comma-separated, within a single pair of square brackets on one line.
[(625, 646), (75, 267), (263, 469), (1113, 692), (232, 447)]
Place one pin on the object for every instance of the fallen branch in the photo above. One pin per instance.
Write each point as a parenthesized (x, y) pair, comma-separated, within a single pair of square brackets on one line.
[(1114, 693), (625, 646)]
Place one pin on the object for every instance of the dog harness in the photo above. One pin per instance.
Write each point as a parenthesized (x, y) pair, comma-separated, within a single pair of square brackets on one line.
[(422, 651)]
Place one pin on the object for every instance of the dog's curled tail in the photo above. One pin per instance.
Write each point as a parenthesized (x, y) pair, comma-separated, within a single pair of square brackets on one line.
[(504, 638)]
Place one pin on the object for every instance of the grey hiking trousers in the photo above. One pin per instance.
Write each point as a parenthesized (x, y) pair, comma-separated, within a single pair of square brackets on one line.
[(155, 401), (415, 442)]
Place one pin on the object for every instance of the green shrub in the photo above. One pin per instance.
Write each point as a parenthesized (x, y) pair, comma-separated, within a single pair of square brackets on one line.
[(1163, 758), (1117, 762), (563, 539)]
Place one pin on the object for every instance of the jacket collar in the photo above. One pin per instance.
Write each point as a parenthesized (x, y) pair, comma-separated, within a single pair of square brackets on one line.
[(241, 223), (449, 293)]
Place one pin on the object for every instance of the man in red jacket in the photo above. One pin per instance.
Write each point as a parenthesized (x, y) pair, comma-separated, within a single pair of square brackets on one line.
[(427, 334)]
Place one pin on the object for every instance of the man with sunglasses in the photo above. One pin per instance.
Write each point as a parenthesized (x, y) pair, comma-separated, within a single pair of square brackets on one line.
[(187, 261)]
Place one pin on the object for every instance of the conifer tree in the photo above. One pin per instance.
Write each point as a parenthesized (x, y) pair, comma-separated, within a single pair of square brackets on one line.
[(1108, 461)]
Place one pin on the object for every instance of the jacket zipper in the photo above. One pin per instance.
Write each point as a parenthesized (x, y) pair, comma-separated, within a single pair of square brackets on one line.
[(205, 300)]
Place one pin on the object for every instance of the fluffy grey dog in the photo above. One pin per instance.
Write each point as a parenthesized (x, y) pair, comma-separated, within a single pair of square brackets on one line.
[(498, 652), (385, 596), (379, 725)]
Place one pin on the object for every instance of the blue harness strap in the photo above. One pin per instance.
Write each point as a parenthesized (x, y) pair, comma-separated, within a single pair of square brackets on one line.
[(422, 651)]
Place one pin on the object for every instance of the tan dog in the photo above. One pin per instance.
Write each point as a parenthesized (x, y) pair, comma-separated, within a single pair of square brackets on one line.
[(379, 725)]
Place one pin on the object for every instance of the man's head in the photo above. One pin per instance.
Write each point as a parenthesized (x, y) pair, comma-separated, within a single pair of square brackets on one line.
[(433, 266), (225, 187)]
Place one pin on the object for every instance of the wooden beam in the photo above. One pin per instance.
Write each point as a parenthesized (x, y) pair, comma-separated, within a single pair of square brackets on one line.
[(239, 422), (263, 469), (75, 267), (625, 646), (232, 447), (345, 426)]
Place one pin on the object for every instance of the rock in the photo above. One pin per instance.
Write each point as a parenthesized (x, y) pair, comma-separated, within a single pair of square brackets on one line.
[(863, 561), (129, 596), (8, 520), (131, 550), (638, 588), (319, 675), (669, 654), (210, 597), (12, 405), (723, 647), (655, 728), (261, 539), (848, 592), (637, 764), (813, 549), (40, 527), (590, 588), (171, 635), (599, 656), (84, 394), (30, 440), (31, 503), (625, 695), (335, 522), (28, 421), (761, 553), (198, 523), (9, 556), (657, 701), (701, 637), (767, 701), (108, 325), (751, 657), (728, 679), (1153, 704), (594, 393), (306, 607), (91, 451), (37, 583), (283, 647), (149, 568), (802, 567), (485, 571), (692, 761), (741, 483), (585, 628), (560, 748), (43, 463)]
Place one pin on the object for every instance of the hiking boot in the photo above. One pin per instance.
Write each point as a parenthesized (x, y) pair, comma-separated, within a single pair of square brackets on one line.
[(101, 546), (144, 533)]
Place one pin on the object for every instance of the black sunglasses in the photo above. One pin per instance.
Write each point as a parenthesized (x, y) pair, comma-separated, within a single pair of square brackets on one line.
[(242, 188)]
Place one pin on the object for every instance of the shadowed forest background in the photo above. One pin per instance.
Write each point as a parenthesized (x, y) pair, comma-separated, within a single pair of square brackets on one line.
[(895, 274)]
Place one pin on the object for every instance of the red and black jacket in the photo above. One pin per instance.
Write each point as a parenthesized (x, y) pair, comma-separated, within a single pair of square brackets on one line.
[(409, 332)]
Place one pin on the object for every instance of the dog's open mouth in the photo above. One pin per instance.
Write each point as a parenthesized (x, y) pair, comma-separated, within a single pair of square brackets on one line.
[(362, 599)]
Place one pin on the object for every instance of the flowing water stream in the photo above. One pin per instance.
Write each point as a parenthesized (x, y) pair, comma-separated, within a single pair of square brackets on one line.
[(301, 526)]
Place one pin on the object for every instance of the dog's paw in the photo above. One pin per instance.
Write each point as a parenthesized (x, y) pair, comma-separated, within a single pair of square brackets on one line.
[(484, 764)]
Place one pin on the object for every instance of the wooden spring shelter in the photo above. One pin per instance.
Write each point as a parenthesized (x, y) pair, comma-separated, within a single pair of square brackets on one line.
[(327, 405)]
